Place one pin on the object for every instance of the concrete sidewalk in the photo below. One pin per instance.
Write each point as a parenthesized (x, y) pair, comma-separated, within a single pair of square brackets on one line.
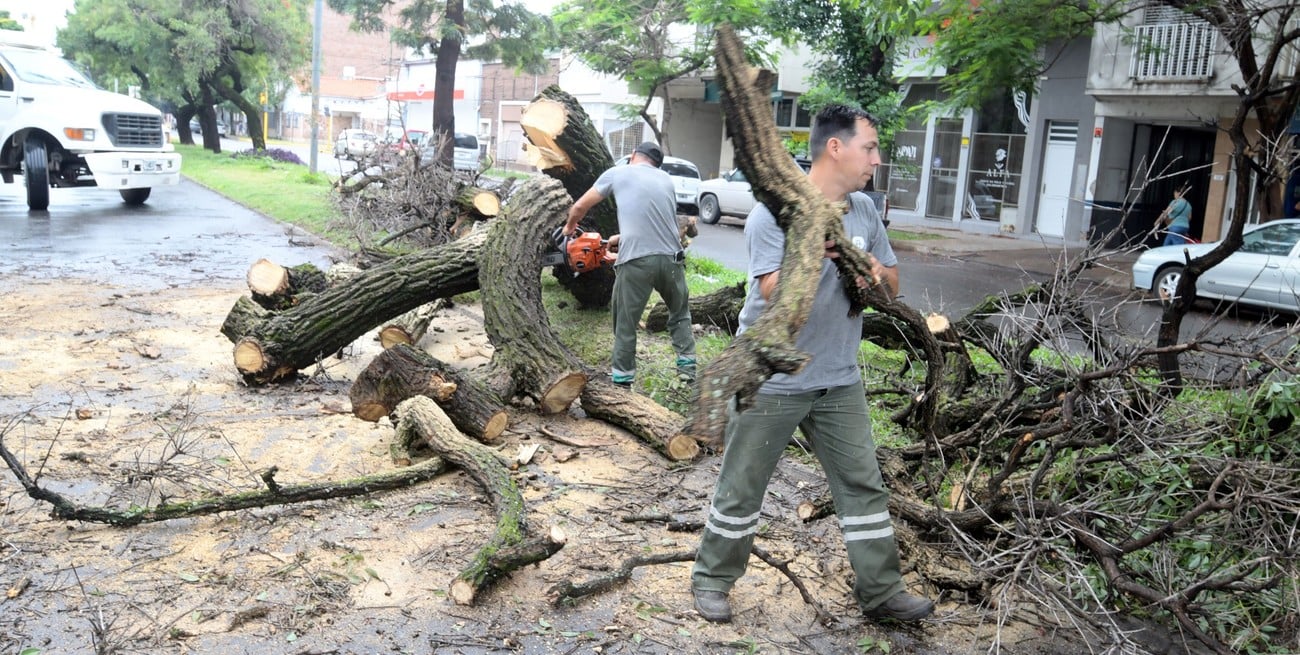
[(1039, 257)]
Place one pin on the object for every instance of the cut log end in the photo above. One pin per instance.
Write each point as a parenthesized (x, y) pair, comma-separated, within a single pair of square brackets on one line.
[(563, 392), (937, 323), (683, 447), (805, 510), (543, 120), (461, 592), (392, 335), (486, 204), (249, 357), (267, 278), (495, 426)]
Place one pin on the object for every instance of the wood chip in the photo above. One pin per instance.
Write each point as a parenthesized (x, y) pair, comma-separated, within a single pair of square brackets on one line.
[(526, 453), (84, 413), (148, 352)]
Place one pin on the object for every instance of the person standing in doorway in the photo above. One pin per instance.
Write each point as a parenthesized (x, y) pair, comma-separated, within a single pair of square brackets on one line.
[(825, 399), (1177, 218), (650, 257)]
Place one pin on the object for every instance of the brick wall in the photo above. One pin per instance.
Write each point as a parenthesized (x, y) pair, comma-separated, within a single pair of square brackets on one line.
[(500, 82)]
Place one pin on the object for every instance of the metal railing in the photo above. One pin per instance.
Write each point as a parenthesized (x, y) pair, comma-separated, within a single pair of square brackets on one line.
[(1173, 51)]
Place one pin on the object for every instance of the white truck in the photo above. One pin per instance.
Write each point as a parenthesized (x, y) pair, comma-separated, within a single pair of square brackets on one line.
[(60, 130)]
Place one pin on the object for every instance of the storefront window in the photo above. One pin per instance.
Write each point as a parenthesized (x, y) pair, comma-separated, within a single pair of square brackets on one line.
[(943, 168), (903, 173), (997, 152)]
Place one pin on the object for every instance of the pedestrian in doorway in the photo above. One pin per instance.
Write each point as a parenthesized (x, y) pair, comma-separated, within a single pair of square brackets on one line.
[(826, 399), (650, 257), (1177, 219)]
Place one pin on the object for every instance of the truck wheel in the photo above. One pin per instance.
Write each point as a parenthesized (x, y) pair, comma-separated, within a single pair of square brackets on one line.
[(135, 196), (709, 211), (36, 172)]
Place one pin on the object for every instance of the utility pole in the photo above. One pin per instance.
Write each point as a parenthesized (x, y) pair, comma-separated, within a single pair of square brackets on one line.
[(315, 85)]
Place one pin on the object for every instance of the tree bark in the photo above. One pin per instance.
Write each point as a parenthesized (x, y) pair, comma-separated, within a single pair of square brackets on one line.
[(652, 423), (511, 545), (566, 146), (404, 372), (538, 365), (568, 592), (720, 309), (281, 344)]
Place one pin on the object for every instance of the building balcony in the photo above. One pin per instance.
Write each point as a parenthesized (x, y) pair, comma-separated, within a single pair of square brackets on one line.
[(1173, 52)]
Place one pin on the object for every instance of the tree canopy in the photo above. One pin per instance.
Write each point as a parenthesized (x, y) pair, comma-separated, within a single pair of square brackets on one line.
[(192, 54)]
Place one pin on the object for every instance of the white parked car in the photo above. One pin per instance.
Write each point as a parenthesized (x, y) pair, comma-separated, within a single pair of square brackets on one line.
[(686, 180), (1264, 272), (731, 195), (355, 144)]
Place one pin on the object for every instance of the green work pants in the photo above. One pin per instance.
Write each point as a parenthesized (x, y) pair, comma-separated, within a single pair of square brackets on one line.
[(633, 283), (835, 421)]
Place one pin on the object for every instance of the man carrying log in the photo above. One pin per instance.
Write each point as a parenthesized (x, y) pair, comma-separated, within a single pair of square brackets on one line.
[(826, 398), (650, 257)]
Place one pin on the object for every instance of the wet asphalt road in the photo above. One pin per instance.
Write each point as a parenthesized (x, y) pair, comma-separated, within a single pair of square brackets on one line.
[(184, 234)]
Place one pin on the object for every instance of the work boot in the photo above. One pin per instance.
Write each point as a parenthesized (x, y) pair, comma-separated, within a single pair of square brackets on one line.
[(712, 605), (686, 369), (901, 606)]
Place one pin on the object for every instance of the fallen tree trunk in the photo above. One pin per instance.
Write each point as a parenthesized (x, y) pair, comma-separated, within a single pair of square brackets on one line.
[(403, 372), (275, 494), (652, 423), (511, 545), (281, 344), (527, 350), (276, 287), (720, 308), (565, 145)]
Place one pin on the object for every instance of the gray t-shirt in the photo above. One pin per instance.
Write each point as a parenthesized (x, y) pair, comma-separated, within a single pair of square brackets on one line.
[(831, 336), (647, 210)]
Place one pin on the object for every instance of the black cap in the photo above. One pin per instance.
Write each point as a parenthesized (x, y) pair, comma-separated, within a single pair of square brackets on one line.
[(651, 150)]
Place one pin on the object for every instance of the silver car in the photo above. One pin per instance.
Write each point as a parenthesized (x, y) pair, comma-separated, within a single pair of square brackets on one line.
[(1264, 272)]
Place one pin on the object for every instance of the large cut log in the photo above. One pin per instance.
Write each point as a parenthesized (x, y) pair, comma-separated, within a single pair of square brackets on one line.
[(537, 364), (566, 146), (808, 220), (720, 308), (652, 423), (275, 287), (480, 203), (403, 372), (512, 544), (283, 343), (244, 317)]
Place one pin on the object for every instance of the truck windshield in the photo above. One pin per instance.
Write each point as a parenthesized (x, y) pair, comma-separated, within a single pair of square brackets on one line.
[(40, 67)]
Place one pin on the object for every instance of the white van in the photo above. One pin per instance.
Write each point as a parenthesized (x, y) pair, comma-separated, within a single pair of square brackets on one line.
[(465, 154)]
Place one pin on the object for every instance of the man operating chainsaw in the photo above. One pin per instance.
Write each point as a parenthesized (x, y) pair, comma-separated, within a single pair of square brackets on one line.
[(650, 257)]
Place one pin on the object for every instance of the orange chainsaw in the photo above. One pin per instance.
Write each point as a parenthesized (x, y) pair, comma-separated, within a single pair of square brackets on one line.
[(583, 253)]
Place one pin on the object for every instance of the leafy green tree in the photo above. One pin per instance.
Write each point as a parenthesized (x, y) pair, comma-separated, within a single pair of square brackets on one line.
[(192, 54), (648, 43), (7, 23), (497, 31)]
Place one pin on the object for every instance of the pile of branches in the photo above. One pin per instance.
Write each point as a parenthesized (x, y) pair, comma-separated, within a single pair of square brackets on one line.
[(398, 202)]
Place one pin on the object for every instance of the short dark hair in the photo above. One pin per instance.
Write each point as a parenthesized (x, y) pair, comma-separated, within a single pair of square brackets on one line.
[(838, 121)]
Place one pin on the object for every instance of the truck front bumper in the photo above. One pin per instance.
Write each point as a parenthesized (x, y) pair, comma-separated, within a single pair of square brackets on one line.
[(134, 170)]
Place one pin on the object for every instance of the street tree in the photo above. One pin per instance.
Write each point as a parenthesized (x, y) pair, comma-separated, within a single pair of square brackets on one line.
[(648, 43), (191, 54), (483, 29)]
